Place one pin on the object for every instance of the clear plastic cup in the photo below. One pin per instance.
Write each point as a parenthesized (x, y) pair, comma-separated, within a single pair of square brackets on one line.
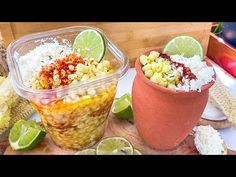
[(75, 116)]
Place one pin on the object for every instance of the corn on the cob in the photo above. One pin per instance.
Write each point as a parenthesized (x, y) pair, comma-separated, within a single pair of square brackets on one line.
[(7, 98), (12, 107), (221, 98)]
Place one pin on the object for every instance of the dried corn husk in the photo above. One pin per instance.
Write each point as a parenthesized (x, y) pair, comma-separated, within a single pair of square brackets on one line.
[(12, 107), (222, 99)]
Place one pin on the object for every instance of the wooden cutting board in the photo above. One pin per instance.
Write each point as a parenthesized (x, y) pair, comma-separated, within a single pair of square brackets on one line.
[(115, 128)]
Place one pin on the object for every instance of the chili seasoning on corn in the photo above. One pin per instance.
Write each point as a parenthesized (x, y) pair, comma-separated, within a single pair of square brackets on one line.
[(186, 71), (59, 71)]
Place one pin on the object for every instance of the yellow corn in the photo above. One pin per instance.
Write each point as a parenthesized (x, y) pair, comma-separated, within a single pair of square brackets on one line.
[(143, 59), (148, 73)]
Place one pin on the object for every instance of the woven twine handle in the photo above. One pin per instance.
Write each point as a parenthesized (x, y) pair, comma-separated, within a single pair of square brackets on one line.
[(222, 99)]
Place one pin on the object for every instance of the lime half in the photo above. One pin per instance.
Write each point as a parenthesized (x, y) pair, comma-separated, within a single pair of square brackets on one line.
[(25, 135), (122, 108), (90, 44), (137, 152), (86, 152), (184, 45), (114, 146)]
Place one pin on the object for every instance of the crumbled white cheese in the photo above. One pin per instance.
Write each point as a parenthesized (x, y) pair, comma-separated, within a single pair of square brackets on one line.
[(208, 141), (46, 53), (199, 68)]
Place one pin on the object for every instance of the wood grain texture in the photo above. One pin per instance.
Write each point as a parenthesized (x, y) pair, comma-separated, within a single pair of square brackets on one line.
[(132, 38), (115, 127), (216, 124)]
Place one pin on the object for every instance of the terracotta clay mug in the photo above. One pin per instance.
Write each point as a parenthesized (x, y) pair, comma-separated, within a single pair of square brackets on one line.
[(164, 117)]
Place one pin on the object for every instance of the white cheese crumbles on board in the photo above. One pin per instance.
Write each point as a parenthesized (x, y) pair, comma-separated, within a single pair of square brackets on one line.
[(208, 141), (46, 53)]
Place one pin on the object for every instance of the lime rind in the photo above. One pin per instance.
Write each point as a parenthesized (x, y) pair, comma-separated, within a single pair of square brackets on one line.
[(183, 45), (137, 152), (90, 44), (86, 152)]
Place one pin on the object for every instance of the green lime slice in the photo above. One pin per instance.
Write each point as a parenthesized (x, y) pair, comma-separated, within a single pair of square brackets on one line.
[(122, 108), (184, 45), (137, 152), (90, 44), (86, 152), (114, 146), (25, 135)]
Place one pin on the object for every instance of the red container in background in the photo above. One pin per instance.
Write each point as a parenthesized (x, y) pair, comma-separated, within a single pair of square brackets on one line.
[(222, 53)]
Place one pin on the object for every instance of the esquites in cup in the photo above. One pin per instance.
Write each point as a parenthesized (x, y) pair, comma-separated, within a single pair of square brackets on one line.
[(70, 76), (174, 89)]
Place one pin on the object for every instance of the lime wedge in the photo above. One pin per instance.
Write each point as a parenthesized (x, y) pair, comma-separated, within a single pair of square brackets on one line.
[(184, 45), (25, 135), (90, 44), (122, 108), (137, 152), (114, 146), (86, 152)]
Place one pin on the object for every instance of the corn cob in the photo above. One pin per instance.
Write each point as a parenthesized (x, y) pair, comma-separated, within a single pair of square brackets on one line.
[(12, 107), (7, 98), (221, 98), (16, 108)]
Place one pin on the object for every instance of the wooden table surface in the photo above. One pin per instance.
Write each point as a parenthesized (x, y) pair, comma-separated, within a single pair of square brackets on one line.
[(132, 38)]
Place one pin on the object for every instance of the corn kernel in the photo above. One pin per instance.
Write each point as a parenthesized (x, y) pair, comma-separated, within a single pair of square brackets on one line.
[(106, 63), (71, 67), (163, 82), (91, 91), (171, 86), (100, 67), (72, 76), (156, 77), (81, 91), (148, 73), (85, 77), (56, 77), (166, 68), (79, 67), (156, 67), (170, 77), (154, 54), (147, 67), (143, 59)]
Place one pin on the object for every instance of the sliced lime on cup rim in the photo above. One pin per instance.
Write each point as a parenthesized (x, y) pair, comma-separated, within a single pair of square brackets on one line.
[(184, 45), (90, 44)]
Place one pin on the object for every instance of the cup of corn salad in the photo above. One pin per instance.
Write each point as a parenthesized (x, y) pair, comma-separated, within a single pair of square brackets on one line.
[(174, 90), (70, 76)]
